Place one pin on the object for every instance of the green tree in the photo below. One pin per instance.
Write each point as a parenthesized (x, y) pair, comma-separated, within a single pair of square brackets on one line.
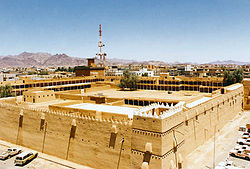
[(8, 90), (43, 73), (31, 73), (70, 69), (238, 75), (128, 81), (5, 91), (231, 78)]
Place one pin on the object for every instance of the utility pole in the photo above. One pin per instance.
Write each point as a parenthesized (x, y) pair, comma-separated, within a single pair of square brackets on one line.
[(175, 144), (122, 141), (44, 135), (175, 148)]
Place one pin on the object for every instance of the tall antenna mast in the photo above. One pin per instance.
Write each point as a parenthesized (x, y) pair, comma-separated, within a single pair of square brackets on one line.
[(100, 45)]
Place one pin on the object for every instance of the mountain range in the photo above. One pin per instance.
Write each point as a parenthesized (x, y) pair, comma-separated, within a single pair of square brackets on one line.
[(42, 59), (228, 62)]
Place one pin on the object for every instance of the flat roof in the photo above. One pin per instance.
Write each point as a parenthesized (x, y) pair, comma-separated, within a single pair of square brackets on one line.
[(233, 87), (37, 91), (246, 79), (157, 95), (105, 108), (197, 102)]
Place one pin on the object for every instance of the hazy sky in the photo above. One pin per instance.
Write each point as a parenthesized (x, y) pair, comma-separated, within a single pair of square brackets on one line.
[(168, 30)]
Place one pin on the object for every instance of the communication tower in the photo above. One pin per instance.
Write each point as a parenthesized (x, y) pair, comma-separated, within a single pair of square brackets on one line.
[(101, 54)]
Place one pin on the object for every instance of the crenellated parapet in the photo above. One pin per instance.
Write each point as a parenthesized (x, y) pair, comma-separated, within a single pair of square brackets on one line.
[(75, 115), (159, 111)]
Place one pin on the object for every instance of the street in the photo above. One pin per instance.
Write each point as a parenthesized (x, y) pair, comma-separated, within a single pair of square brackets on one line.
[(202, 157), (43, 161)]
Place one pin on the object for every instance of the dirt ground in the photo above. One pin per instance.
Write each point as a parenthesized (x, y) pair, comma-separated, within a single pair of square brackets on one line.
[(225, 140)]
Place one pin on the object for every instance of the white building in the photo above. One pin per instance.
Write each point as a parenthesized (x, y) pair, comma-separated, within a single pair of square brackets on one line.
[(8, 77), (114, 71), (144, 72)]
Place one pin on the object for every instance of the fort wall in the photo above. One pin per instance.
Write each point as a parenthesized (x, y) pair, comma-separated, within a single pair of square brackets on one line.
[(90, 145), (91, 141), (186, 129), (246, 83)]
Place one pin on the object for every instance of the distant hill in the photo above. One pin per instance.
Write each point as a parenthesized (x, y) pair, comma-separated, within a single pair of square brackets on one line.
[(42, 59), (228, 62), (26, 59)]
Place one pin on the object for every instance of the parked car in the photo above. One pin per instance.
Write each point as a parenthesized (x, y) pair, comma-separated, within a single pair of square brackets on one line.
[(24, 157), (244, 141), (243, 147), (245, 135), (243, 128), (240, 153), (9, 153)]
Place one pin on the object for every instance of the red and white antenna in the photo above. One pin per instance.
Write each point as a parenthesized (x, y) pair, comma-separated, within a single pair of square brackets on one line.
[(100, 45), (100, 31)]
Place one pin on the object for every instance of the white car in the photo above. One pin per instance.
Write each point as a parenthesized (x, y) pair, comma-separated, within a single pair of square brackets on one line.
[(245, 135), (9, 153), (24, 157), (244, 141), (242, 147), (240, 153), (243, 128)]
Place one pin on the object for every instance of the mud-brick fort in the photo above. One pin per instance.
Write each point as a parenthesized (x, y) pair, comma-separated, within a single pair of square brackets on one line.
[(88, 120)]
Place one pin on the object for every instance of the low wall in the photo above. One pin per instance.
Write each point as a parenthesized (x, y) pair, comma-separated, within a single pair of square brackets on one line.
[(97, 88)]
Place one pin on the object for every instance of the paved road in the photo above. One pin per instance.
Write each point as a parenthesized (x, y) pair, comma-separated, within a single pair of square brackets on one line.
[(240, 162), (202, 157), (37, 163), (43, 161)]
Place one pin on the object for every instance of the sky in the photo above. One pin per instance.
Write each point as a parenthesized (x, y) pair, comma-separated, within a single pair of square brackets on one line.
[(165, 30)]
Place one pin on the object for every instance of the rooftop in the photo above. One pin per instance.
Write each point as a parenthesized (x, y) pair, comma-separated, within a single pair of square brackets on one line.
[(197, 102), (105, 108), (150, 95)]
